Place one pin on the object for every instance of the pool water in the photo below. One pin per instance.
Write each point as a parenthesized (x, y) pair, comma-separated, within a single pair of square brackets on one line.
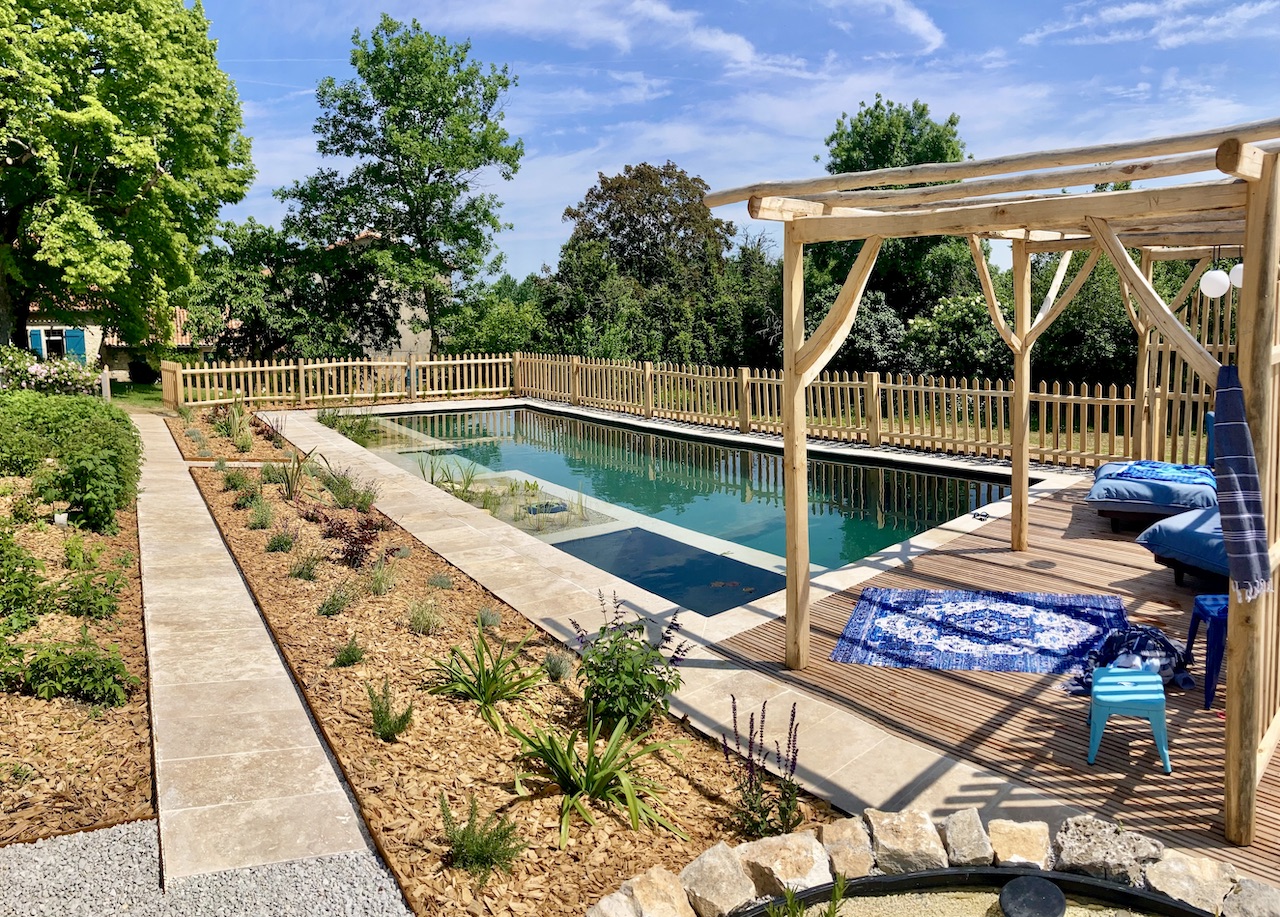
[(731, 495)]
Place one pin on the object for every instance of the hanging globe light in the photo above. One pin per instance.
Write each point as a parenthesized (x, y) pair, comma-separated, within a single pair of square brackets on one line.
[(1237, 275), (1214, 283)]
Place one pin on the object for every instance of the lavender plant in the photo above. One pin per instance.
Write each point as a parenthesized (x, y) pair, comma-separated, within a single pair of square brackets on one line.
[(760, 810)]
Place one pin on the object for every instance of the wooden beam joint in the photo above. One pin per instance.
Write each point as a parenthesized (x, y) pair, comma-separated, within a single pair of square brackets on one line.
[(1240, 159)]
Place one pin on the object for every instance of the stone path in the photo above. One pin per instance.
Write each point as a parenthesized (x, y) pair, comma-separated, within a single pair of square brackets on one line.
[(242, 778)]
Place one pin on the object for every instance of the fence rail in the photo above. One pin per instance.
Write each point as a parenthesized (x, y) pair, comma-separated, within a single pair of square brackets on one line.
[(1077, 425)]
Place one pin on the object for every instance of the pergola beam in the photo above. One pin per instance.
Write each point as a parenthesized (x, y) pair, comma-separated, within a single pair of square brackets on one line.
[(989, 294), (795, 464), (1053, 308), (817, 352)]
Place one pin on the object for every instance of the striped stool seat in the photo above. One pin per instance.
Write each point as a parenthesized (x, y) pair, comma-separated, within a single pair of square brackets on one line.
[(1128, 692)]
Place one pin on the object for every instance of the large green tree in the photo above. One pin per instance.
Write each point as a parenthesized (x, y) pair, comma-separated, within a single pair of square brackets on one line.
[(121, 141), (913, 274), (419, 124)]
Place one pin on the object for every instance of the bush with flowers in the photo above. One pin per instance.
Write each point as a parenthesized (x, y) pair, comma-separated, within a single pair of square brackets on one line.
[(22, 370)]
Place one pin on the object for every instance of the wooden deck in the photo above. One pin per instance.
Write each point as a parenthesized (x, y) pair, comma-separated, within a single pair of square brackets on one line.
[(1025, 726)]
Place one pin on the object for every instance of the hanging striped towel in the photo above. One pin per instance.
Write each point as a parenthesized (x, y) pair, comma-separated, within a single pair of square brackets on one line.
[(1239, 493)]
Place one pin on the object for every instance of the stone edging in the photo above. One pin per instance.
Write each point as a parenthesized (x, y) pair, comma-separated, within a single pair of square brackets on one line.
[(726, 880)]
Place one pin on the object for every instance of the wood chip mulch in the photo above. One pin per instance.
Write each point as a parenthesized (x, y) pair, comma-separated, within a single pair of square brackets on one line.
[(216, 446), (449, 749), (64, 765)]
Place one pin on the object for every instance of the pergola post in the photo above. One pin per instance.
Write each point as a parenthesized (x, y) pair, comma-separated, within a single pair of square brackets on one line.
[(794, 455), (1249, 622), (1020, 415)]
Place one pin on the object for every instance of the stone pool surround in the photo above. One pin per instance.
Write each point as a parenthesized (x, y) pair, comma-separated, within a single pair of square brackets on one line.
[(727, 880)]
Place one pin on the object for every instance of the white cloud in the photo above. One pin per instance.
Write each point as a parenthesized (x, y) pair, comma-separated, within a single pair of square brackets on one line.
[(1166, 25), (904, 14)]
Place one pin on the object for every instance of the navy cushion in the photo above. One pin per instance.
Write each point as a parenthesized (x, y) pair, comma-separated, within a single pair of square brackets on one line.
[(1116, 494), (1194, 538)]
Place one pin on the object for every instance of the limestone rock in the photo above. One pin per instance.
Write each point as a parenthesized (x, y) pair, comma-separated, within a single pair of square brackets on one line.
[(1252, 899), (717, 882), (656, 893), (1199, 881), (796, 861), (966, 842), (1020, 843), (905, 841), (849, 847), (1105, 851)]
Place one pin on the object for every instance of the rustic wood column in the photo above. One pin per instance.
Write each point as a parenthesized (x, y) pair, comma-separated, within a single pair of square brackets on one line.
[(795, 464), (1020, 413), (1248, 712)]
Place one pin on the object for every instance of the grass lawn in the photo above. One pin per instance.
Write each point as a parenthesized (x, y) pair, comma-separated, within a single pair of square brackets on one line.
[(137, 395)]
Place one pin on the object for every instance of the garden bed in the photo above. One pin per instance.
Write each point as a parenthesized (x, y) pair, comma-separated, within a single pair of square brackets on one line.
[(449, 748), (200, 440), (66, 765)]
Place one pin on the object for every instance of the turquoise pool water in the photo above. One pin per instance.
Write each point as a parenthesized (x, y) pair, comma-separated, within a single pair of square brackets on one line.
[(730, 494)]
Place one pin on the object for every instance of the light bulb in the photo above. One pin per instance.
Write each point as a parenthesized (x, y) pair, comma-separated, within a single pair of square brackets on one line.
[(1237, 275), (1214, 283)]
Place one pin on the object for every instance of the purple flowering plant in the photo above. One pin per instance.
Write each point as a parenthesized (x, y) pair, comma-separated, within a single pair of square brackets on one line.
[(760, 811), (22, 370), (627, 676)]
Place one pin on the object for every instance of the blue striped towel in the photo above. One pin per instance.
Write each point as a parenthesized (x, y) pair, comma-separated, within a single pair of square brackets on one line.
[(1239, 493)]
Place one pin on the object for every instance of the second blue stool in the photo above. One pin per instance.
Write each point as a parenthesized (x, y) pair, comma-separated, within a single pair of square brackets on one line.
[(1128, 692), (1212, 609)]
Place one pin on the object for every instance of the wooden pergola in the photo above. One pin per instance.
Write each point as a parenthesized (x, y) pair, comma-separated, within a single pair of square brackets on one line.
[(1019, 198)]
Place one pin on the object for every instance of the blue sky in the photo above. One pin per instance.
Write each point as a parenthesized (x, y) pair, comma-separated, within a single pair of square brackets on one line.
[(741, 91)]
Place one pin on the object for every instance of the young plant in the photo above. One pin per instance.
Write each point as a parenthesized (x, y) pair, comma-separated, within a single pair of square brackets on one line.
[(478, 846), (23, 594), (260, 514), (558, 665), (382, 577), (484, 676), (220, 466), (294, 473), (90, 594), (235, 479), (82, 671), (488, 617), (759, 811), (248, 496), (440, 581), (609, 776), (347, 490), (348, 654), (356, 542), (339, 599), (626, 677), (387, 724), (304, 566), (272, 473), (76, 556), (424, 620), (282, 539)]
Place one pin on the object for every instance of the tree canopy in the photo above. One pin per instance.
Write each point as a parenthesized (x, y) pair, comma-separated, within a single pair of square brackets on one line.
[(420, 123), (121, 141)]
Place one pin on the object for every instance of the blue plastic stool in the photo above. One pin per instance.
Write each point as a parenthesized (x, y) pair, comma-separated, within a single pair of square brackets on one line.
[(1128, 692), (1211, 609)]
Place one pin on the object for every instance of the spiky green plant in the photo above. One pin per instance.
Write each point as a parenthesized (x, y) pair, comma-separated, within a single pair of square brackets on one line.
[(348, 654), (478, 846), (387, 724), (486, 676)]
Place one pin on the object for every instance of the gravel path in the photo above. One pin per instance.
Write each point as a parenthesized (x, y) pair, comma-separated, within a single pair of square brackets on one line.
[(116, 871)]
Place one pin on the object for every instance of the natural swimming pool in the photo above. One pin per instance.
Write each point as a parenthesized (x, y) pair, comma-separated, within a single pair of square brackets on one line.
[(699, 523)]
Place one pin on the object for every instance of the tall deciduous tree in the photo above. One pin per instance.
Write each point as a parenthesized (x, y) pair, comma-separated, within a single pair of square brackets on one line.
[(121, 141), (421, 122)]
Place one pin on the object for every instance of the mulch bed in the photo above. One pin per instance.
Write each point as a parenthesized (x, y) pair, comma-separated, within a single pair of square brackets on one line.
[(65, 765), (448, 748), (216, 446)]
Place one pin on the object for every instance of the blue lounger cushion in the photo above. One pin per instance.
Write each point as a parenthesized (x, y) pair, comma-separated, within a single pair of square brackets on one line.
[(1192, 538), (1115, 492)]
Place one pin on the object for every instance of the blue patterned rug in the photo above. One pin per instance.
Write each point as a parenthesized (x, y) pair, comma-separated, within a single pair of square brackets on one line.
[(985, 631)]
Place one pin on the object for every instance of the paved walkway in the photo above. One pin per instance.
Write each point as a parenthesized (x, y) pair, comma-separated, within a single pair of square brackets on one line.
[(242, 778)]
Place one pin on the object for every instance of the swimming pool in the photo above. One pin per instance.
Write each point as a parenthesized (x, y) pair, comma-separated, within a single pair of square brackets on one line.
[(678, 516)]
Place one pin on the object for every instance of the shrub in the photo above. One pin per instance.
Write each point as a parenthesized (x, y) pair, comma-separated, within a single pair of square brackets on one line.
[(440, 581), (78, 557), (220, 465), (12, 671), (348, 491), (260, 514), (243, 442), (356, 540), (304, 566), (23, 509), (489, 617), (247, 497), (760, 812), (382, 577), (82, 671), (424, 620), (90, 594), (608, 776), (282, 540), (232, 422), (625, 676), (235, 479), (272, 473), (484, 676), (348, 654), (339, 599), (557, 665), (387, 724), (360, 428), (22, 370), (23, 595), (480, 847)]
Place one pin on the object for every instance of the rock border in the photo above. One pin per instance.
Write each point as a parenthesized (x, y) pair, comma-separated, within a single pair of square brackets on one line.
[(725, 880)]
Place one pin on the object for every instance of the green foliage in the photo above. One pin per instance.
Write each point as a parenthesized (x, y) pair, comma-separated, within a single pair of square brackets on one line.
[(485, 676), (558, 666), (348, 654), (339, 599), (957, 338), (82, 671), (261, 515), (609, 776), (90, 594), (304, 566), (488, 617), (23, 595), (387, 724), (236, 479), (23, 509), (625, 676), (78, 557), (382, 577), (361, 428), (282, 541), (478, 846), (440, 581), (349, 491), (247, 497), (22, 370), (293, 474), (424, 620), (12, 669), (502, 317), (122, 140), (760, 811)]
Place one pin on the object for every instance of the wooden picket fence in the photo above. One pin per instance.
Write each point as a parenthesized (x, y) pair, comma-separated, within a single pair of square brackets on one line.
[(1072, 425)]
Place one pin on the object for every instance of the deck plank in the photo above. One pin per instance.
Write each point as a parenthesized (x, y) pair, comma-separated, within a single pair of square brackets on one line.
[(1026, 727)]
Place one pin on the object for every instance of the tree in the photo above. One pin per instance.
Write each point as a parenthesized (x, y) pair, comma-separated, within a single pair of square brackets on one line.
[(913, 274), (502, 317), (121, 141), (261, 295), (421, 122), (957, 338)]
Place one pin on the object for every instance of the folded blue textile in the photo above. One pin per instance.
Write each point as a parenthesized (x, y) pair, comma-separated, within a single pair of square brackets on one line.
[(1169, 471), (1239, 493)]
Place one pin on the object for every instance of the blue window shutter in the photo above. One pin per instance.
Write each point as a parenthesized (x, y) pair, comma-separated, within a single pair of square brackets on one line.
[(74, 338), (37, 341)]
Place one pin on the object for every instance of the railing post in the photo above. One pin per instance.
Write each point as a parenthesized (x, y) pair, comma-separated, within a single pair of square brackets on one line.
[(648, 388), (575, 380), (744, 399), (872, 406), (411, 378), (515, 374)]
